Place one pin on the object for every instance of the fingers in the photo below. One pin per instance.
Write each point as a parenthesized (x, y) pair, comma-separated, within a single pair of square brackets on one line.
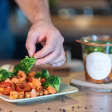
[(49, 58), (57, 58), (31, 42), (44, 52), (48, 48), (60, 60), (52, 51)]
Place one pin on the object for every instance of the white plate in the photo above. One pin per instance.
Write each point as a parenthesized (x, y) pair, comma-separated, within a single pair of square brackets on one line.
[(64, 90)]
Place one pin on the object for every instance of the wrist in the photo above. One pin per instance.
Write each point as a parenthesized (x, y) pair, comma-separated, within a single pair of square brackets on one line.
[(44, 22), (42, 19)]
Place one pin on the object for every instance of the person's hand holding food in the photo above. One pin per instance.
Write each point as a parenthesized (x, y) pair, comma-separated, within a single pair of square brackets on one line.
[(42, 31), (52, 51)]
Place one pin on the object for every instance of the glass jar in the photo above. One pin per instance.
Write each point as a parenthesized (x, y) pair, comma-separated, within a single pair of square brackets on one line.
[(97, 57)]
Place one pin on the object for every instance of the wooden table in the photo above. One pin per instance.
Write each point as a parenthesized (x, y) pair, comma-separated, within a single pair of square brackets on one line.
[(83, 101)]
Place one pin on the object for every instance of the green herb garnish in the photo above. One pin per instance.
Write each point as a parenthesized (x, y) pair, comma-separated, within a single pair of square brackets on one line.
[(25, 65)]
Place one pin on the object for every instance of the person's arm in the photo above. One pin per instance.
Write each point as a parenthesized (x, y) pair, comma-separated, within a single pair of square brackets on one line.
[(35, 10), (43, 31)]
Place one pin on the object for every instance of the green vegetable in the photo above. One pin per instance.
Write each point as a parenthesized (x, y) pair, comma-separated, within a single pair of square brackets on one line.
[(46, 84), (90, 49), (25, 65), (4, 74), (38, 74), (43, 74), (53, 81)]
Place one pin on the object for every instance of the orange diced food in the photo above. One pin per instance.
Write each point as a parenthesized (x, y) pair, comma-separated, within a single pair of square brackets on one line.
[(15, 80), (27, 87), (21, 76), (13, 95), (36, 83), (46, 92), (41, 93), (1, 90), (27, 94), (7, 91), (20, 95), (51, 90), (31, 74)]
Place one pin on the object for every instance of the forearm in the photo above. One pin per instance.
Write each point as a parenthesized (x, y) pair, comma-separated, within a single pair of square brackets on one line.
[(35, 10)]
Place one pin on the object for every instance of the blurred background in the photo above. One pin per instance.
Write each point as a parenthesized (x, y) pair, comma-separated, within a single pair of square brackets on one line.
[(74, 18)]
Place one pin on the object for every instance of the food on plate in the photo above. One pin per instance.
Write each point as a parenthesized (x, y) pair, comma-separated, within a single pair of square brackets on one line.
[(24, 83)]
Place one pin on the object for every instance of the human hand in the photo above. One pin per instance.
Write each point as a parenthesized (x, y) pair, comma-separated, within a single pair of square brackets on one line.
[(52, 51)]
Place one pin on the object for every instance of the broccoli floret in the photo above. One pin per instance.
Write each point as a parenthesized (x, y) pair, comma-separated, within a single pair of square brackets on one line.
[(38, 74), (25, 65), (43, 74), (53, 81), (4, 74)]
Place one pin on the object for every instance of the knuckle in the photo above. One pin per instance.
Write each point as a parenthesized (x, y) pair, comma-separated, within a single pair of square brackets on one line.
[(62, 39), (64, 61), (63, 56), (29, 33), (27, 45)]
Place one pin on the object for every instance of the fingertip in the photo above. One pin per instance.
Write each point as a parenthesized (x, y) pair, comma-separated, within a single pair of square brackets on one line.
[(31, 52), (36, 55)]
